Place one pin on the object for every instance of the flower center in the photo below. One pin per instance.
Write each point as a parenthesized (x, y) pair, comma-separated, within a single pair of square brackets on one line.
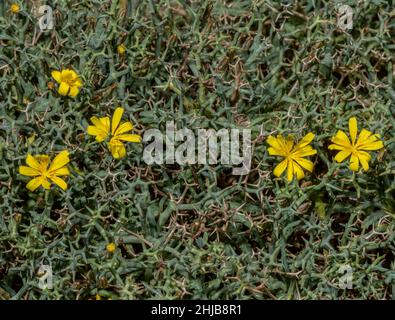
[(353, 149), (44, 173), (69, 80)]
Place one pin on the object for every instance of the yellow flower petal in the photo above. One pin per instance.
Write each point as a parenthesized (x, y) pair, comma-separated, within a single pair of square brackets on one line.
[(60, 161), (63, 89), (95, 131), (123, 128), (275, 152), (376, 145), (298, 171), (43, 160), (105, 123), (117, 149), (272, 141), (354, 163), (67, 74), (34, 183), (281, 144), (102, 125), (289, 142), (342, 155), (336, 147), (32, 162), (304, 163), (116, 119), (129, 137), (59, 181), (306, 140), (286, 144), (62, 172), (28, 171), (364, 155), (364, 158), (364, 163), (304, 152), (341, 139), (46, 184), (78, 83), (280, 168), (363, 137), (57, 76), (290, 170), (97, 123), (353, 128), (73, 91), (74, 75)]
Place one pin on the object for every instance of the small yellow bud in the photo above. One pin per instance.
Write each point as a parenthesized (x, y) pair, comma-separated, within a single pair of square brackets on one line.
[(121, 49), (50, 85), (15, 8), (111, 247)]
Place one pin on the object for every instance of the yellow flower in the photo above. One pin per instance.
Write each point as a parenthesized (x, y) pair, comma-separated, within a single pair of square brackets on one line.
[(40, 167), (121, 49), (101, 129), (98, 297), (111, 247), (15, 8), (293, 155), (69, 82), (356, 148)]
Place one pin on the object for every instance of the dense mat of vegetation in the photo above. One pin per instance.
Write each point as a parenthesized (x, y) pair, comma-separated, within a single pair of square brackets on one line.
[(195, 231)]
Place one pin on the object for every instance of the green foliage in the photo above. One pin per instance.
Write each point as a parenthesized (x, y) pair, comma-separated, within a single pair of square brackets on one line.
[(197, 231)]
